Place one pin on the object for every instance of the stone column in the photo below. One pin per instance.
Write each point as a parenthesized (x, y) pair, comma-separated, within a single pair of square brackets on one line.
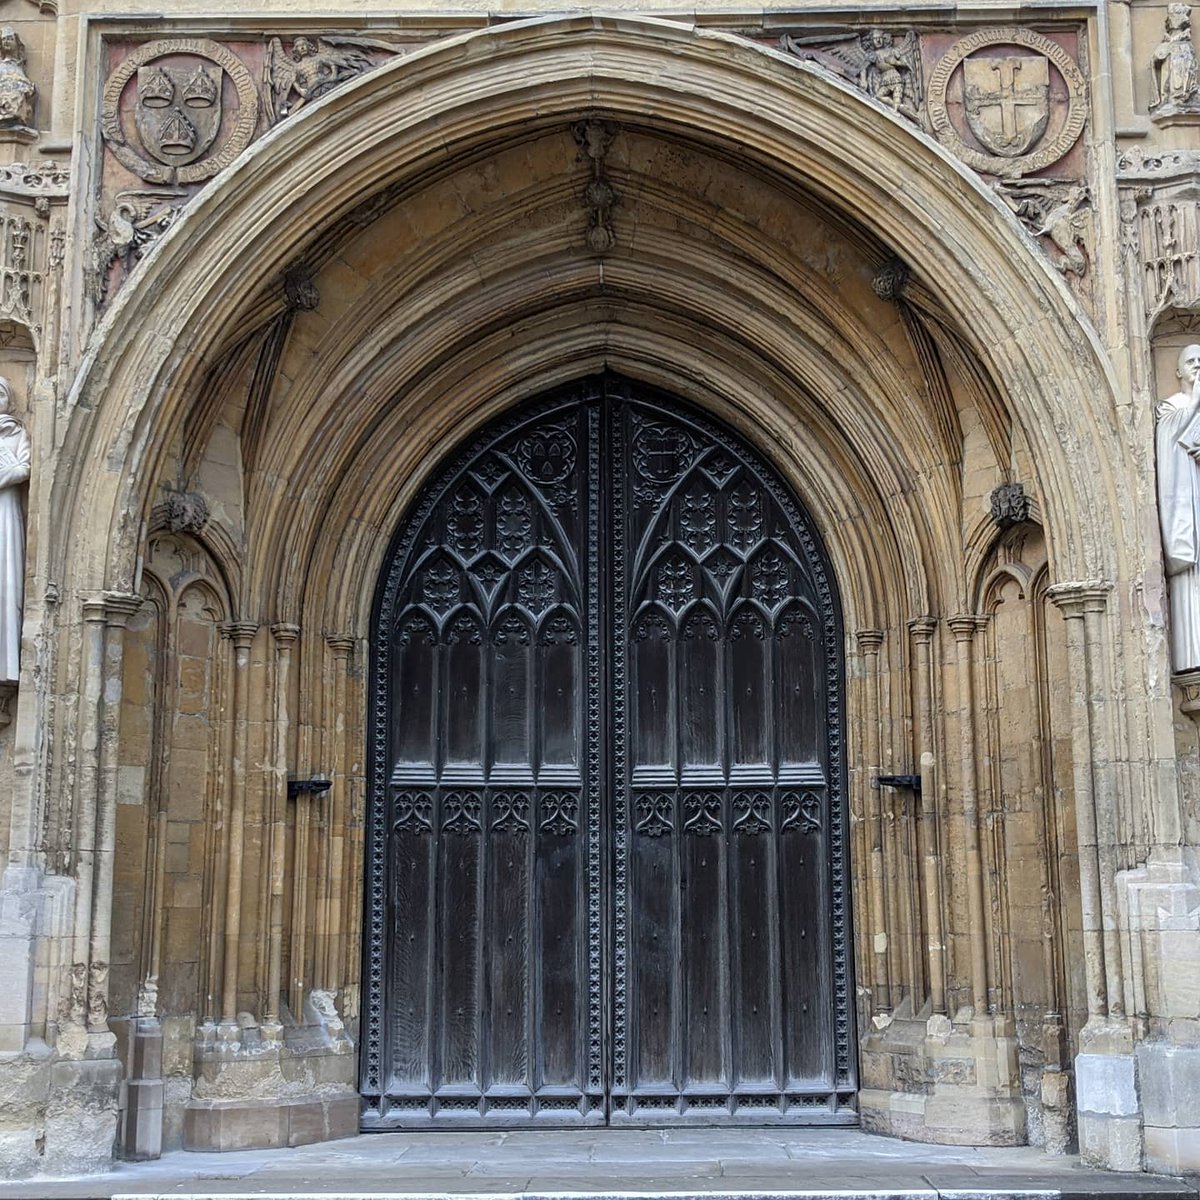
[(241, 634), (285, 636), (1105, 1077), (876, 922), (964, 629), (335, 911), (87, 784), (118, 609), (921, 630)]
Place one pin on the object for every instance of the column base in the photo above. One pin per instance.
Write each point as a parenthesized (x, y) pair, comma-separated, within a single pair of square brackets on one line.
[(260, 1093), (950, 1084)]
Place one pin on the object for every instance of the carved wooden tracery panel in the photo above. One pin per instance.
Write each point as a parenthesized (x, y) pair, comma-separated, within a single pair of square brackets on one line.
[(606, 873)]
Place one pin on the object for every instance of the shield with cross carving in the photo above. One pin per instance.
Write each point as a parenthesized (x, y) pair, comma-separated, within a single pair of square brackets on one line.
[(1007, 101)]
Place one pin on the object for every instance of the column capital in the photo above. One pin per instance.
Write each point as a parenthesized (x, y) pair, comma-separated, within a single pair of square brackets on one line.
[(342, 644), (241, 633), (921, 629), (120, 606), (869, 640), (1075, 598), (965, 626), (285, 633)]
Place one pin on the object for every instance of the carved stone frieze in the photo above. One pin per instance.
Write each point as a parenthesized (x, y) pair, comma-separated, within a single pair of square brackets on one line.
[(1175, 73), (879, 62), (594, 139), (1056, 212), (17, 92), (39, 186), (164, 110), (137, 219), (1006, 123)]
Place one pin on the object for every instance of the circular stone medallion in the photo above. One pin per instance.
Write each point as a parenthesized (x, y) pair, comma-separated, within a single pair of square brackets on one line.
[(1007, 101), (176, 129)]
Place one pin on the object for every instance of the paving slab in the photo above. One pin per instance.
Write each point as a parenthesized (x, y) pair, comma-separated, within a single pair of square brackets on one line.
[(613, 1164)]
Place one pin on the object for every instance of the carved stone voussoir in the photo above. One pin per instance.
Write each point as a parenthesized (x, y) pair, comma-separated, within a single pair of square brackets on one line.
[(170, 130), (1006, 124)]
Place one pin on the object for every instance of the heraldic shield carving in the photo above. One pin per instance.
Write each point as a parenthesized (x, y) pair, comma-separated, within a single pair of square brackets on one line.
[(178, 113), (178, 110), (1007, 101)]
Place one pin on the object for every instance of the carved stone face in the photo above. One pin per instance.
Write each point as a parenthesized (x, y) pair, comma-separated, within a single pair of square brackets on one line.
[(1189, 365), (5, 396), (302, 48), (10, 46)]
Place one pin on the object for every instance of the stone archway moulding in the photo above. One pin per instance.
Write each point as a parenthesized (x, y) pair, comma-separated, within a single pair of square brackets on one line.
[(459, 95)]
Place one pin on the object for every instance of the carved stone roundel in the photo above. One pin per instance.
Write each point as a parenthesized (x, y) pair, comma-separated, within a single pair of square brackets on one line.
[(178, 138), (1014, 103)]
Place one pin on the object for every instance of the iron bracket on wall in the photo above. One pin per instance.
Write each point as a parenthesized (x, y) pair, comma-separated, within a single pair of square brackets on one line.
[(904, 783), (308, 787)]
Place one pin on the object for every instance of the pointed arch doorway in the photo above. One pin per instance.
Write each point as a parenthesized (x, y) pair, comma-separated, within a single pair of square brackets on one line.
[(607, 864)]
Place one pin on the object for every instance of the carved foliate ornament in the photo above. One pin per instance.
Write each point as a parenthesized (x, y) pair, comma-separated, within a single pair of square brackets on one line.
[(164, 110), (1006, 101), (1010, 505)]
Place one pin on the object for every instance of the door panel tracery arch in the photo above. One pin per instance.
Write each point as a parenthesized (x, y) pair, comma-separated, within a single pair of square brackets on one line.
[(606, 874)]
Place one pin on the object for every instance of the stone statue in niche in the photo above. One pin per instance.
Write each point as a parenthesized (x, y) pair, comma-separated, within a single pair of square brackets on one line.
[(16, 91), (14, 471), (1176, 74), (1177, 454)]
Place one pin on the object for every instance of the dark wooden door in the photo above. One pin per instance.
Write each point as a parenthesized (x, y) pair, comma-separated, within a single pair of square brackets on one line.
[(606, 852)]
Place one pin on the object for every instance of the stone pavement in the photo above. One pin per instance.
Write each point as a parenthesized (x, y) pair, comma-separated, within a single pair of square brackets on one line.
[(606, 1164)]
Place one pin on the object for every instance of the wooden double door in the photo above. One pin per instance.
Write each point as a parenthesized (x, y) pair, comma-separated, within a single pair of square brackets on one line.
[(606, 877)]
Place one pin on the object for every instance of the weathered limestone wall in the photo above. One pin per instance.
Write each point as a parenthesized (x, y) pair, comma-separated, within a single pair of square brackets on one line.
[(236, 373)]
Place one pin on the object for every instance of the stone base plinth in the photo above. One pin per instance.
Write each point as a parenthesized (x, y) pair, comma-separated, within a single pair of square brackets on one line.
[(265, 1124), (257, 1088), (950, 1084)]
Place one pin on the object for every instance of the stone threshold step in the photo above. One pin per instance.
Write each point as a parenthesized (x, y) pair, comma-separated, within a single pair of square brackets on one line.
[(1087, 1188)]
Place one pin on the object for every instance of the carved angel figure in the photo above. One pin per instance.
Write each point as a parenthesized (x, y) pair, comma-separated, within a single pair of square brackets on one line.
[(1176, 74), (884, 66), (312, 68)]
